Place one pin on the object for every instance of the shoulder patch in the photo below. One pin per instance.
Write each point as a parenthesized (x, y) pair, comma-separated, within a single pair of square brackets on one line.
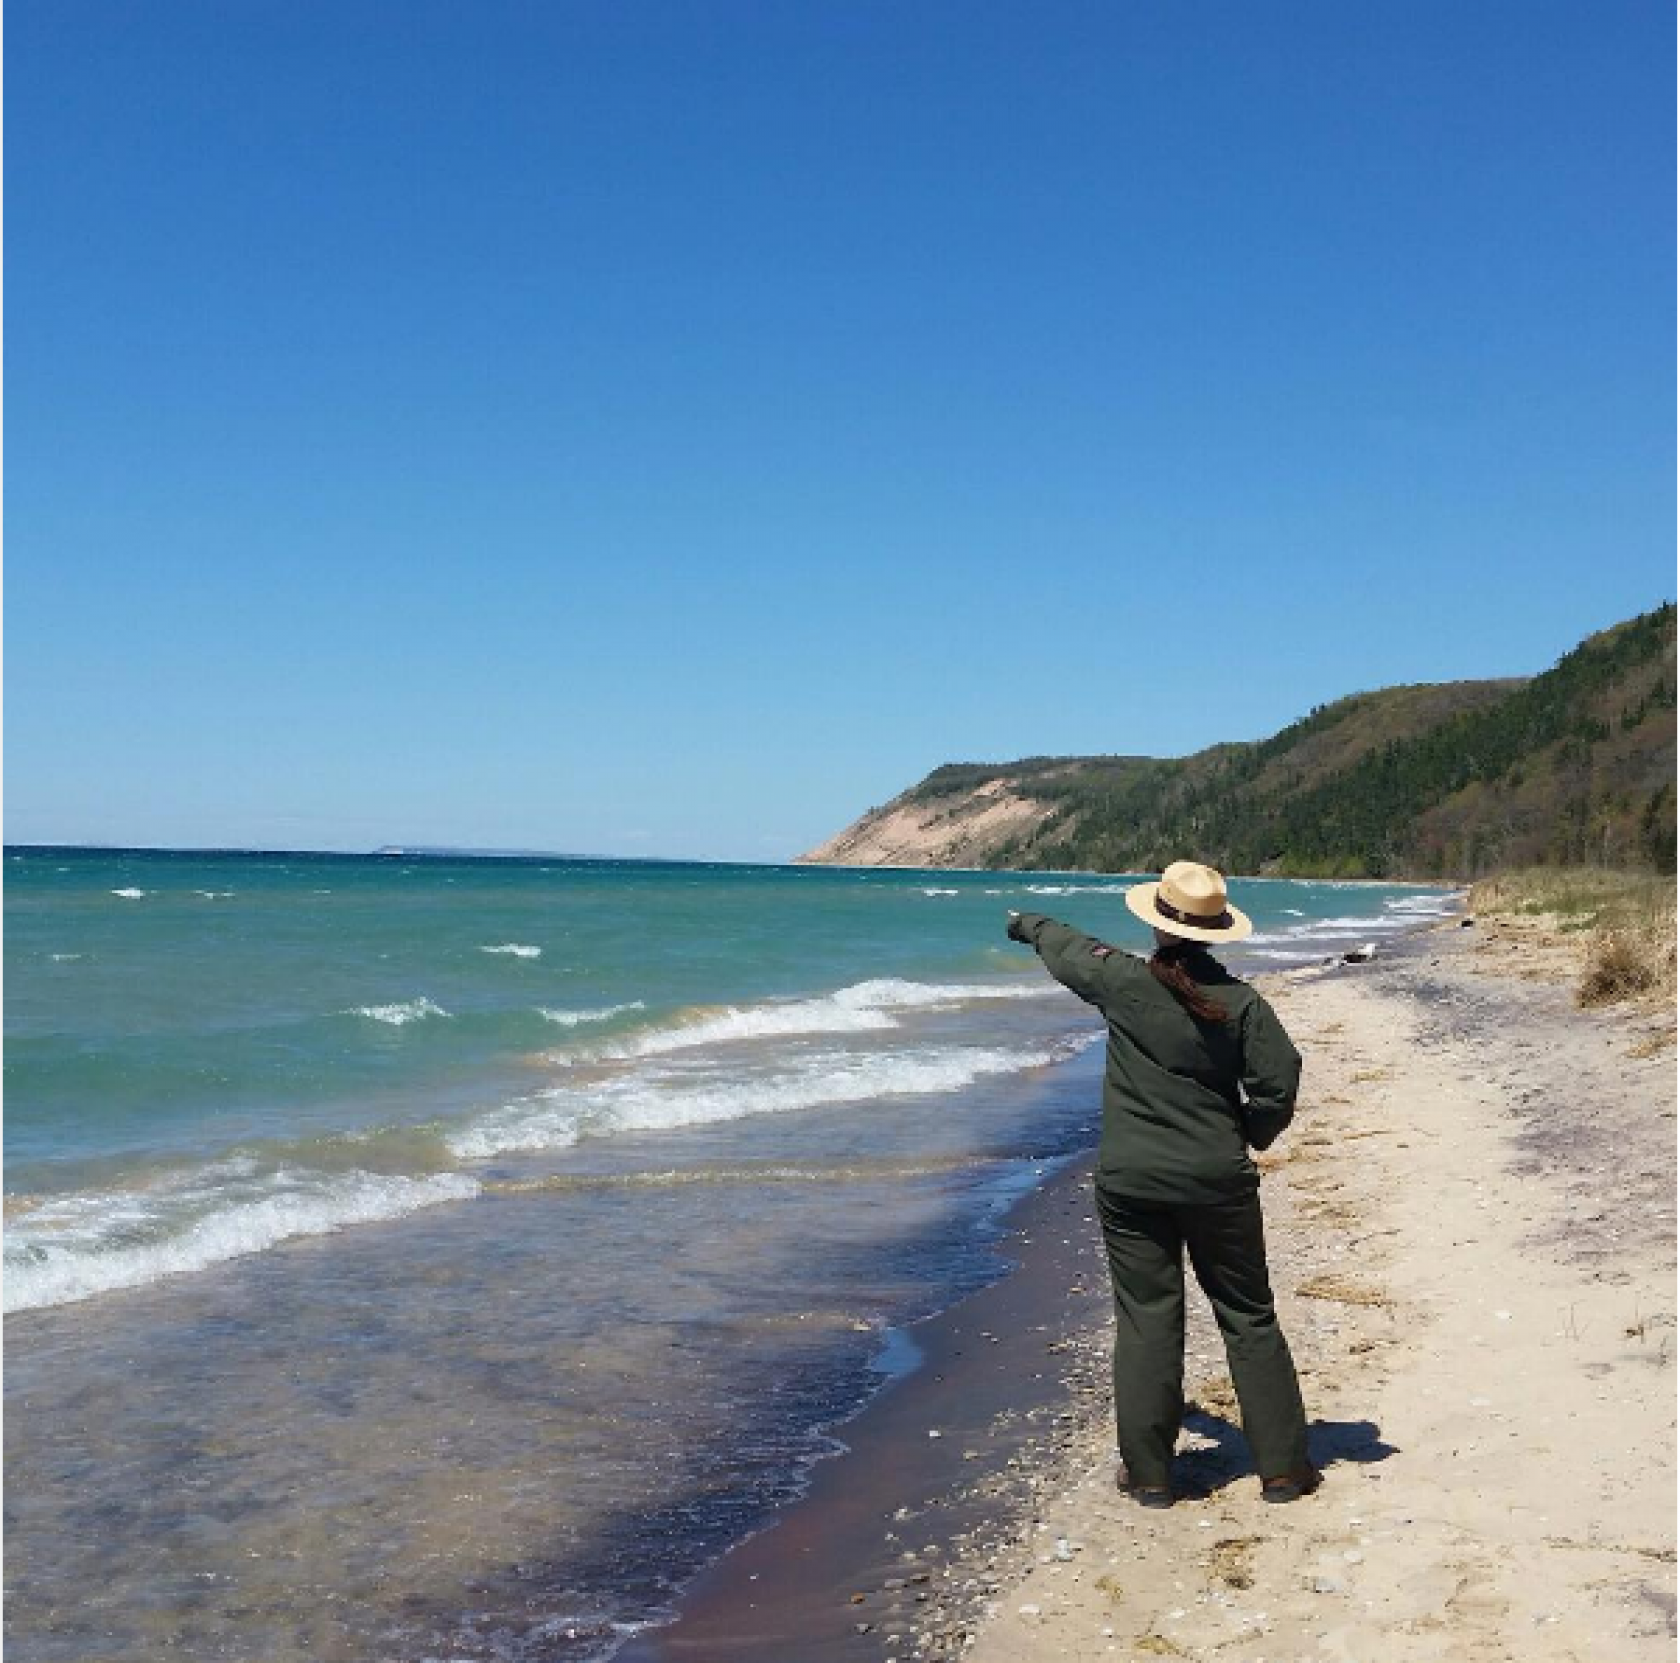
[(1101, 950)]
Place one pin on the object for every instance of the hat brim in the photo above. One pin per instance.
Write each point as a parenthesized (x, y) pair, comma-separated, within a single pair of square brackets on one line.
[(1141, 899)]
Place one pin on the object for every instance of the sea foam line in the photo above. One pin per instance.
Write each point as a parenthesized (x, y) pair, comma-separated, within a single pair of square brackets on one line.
[(75, 1247), (514, 950)]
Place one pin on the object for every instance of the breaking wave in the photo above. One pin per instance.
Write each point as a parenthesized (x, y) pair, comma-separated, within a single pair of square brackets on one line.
[(573, 1019), (657, 1100), (862, 1008), (74, 1247), (399, 1016)]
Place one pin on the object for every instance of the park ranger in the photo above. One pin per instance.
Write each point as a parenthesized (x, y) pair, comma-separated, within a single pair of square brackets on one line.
[(1199, 1072)]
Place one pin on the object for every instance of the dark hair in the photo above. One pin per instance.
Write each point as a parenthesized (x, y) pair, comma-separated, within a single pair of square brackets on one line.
[(1167, 966)]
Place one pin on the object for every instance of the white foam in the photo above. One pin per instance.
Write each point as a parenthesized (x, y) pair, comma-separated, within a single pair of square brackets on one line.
[(399, 1016), (941, 891), (514, 950), (862, 1008), (214, 894), (1331, 930), (65, 958), (1422, 906), (1314, 937), (1077, 889), (573, 1019), (78, 1246), (129, 894), (652, 1100)]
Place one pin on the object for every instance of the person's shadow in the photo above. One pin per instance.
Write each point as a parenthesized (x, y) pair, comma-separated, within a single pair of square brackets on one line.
[(1329, 1442)]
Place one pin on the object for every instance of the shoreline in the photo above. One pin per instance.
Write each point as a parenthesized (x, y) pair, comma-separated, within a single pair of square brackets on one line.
[(883, 1518), (1024, 1552)]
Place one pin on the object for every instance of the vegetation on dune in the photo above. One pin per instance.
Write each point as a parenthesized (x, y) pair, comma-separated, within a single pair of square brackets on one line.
[(1572, 766), (1628, 918)]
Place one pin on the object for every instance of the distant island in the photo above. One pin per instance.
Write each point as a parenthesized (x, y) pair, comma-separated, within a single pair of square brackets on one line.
[(1435, 780), (437, 851)]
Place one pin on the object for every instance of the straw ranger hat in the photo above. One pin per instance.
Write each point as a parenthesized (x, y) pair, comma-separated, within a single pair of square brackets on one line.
[(1189, 901)]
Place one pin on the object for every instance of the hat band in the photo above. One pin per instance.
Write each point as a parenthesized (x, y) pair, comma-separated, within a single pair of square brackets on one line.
[(1197, 920)]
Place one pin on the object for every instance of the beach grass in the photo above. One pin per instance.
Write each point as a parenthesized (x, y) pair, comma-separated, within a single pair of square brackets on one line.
[(1628, 919)]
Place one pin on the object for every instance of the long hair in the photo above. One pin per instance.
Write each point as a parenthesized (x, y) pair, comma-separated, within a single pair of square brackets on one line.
[(1167, 965)]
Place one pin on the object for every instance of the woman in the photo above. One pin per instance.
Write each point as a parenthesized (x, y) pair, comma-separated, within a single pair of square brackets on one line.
[(1199, 1072)]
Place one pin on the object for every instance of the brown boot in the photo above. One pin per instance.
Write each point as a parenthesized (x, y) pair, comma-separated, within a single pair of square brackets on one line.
[(1145, 1495), (1291, 1486)]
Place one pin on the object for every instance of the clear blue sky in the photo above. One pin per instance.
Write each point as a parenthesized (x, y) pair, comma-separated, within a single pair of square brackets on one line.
[(673, 428)]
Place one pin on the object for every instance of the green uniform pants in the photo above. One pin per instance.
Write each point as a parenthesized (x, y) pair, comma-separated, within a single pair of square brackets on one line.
[(1145, 1243)]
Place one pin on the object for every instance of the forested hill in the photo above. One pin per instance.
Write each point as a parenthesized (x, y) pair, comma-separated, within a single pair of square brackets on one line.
[(1449, 780)]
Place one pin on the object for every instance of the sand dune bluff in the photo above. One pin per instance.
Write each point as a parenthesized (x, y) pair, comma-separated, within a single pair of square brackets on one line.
[(965, 830)]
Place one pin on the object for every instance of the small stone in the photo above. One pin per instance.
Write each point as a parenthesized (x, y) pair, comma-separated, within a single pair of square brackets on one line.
[(1031, 1610)]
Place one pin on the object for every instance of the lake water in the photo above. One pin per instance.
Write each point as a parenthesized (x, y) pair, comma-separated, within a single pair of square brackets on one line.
[(444, 1258)]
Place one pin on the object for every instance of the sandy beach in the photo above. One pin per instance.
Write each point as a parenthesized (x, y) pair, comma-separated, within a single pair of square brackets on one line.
[(1472, 1236)]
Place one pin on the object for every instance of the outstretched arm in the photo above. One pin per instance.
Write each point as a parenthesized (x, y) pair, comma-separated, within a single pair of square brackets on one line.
[(1080, 963), (1271, 1076)]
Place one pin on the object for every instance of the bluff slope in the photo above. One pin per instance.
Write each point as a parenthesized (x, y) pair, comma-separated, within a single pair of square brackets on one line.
[(1434, 780)]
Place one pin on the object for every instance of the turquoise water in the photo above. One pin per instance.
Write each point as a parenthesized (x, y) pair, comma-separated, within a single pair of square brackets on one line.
[(446, 1257), (194, 1042)]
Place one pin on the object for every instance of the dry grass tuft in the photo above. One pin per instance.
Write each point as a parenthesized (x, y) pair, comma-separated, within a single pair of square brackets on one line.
[(1628, 963), (1653, 1044)]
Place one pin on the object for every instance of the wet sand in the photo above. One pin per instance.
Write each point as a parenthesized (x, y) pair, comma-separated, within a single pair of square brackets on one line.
[(1472, 1240), (937, 1463)]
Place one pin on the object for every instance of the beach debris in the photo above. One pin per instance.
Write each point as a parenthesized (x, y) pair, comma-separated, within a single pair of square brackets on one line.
[(1342, 1291), (1360, 955), (1230, 1561), (1031, 1610), (1326, 1585), (934, 1432)]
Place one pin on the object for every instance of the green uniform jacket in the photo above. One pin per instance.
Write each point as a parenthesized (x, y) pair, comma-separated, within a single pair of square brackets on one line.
[(1183, 1101)]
